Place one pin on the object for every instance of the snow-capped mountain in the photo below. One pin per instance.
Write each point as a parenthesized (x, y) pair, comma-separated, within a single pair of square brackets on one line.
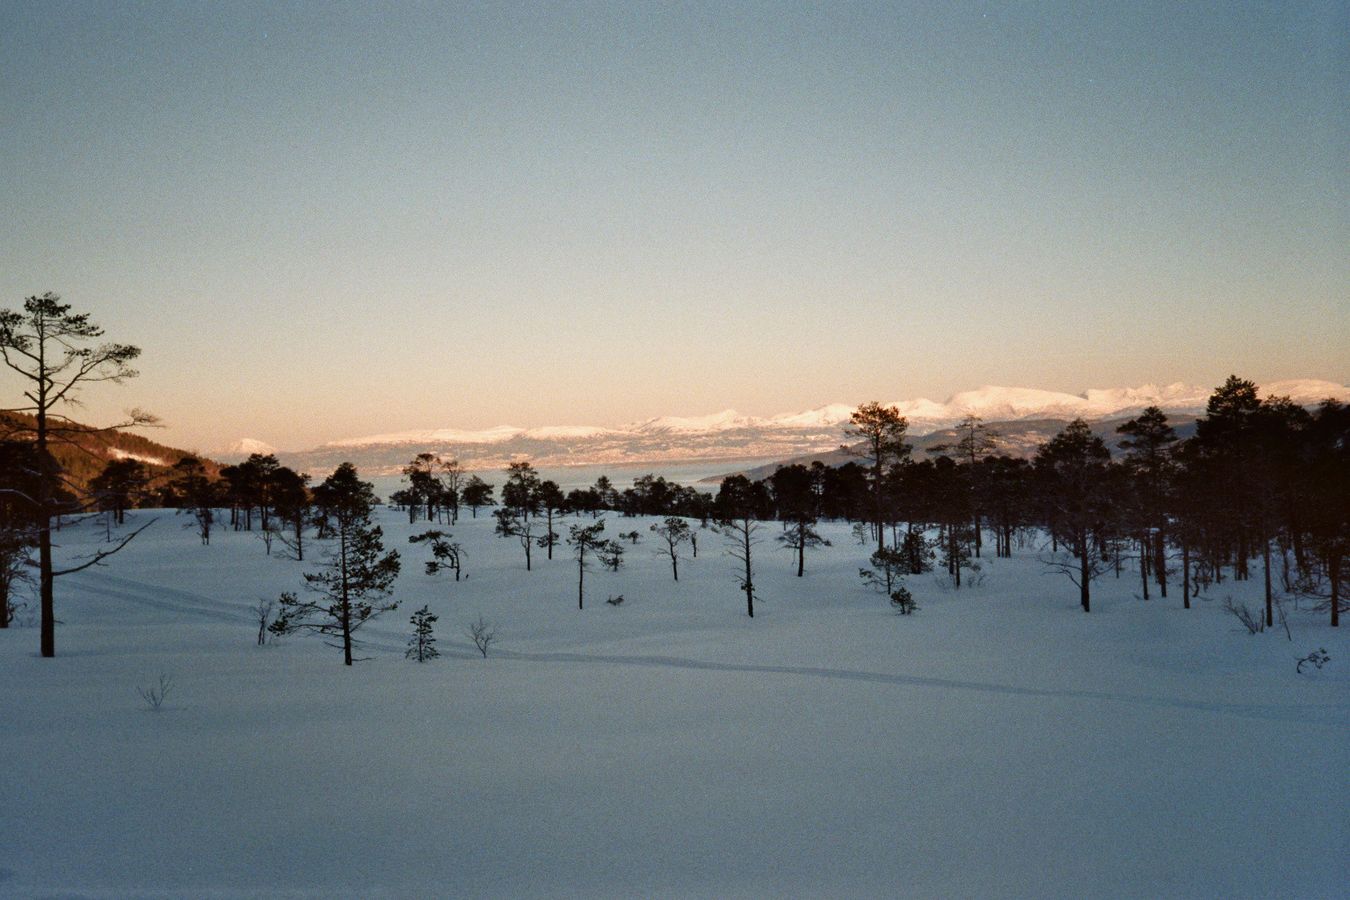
[(730, 435), (243, 448)]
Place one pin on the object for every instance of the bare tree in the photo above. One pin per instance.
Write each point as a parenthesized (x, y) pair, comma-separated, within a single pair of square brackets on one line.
[(155, 694), (263, 611), (483, 634)]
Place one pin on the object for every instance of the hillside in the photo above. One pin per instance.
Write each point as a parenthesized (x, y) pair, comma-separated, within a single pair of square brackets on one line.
[(84, 452)]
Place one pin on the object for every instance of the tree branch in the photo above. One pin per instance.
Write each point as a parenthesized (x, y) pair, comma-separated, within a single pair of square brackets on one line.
[(104, 554)]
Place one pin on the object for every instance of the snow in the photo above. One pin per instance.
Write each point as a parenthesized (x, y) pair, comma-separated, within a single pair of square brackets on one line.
[(1306, 390), (925, 409), (724, 434), (117, 453), (992, 402), (822, 417), (722, 421), (434, 436), (563, 432), (1178, 397), (245, 447), (999, 742)]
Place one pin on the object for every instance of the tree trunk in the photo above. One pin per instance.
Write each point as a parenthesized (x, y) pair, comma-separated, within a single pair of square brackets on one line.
[(749, 583), (1083, 569), (1334, 571), (1185, 575), (1265, 556), (881, 506), (346, 601), (1143, 563), (45, 571), (956, 557), (1160, 562)]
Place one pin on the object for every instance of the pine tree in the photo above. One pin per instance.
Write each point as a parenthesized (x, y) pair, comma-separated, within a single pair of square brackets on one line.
[(476, 493), (354, 586), (881, 433), (1072, 466), (1147, 444), (447, 555), (51, 348), (422, 644), (977, 441), (585, 540), (673, 532), (736, 508), (511, 522), (521, 491)]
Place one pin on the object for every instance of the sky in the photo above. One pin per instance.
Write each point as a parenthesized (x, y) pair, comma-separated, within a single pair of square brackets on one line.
[(327, 220)]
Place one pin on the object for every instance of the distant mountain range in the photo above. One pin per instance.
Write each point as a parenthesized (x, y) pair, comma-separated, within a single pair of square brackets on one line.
[(730, 436)]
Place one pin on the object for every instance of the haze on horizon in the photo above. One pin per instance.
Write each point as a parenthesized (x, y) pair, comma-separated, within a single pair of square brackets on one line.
[(324, 221)]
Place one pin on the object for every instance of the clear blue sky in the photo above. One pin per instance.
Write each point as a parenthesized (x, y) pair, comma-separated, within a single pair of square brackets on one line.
[(321, 220)]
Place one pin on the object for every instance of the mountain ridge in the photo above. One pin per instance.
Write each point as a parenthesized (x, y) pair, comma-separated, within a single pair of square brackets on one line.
[(728, 434)]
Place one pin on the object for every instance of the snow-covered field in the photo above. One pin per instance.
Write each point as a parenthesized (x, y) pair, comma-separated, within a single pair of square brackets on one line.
[(997, 743)]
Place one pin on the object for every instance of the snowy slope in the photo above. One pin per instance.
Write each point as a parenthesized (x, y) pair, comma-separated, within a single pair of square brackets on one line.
[(999, 743)]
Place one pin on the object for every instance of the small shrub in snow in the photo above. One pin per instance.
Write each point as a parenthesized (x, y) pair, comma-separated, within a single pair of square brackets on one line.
[(263, 612), (903, 600), (422, 644), (483, 634), (1251, 619), (1316, 659), (610, 554), (862, 533), (155, 694)]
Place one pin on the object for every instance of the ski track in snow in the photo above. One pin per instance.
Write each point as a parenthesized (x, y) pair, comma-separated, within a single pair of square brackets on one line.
[(159, 598), (185, 602), (1254, 711)]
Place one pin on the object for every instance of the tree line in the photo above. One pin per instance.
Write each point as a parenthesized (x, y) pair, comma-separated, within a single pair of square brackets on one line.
[(1260, 479)]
